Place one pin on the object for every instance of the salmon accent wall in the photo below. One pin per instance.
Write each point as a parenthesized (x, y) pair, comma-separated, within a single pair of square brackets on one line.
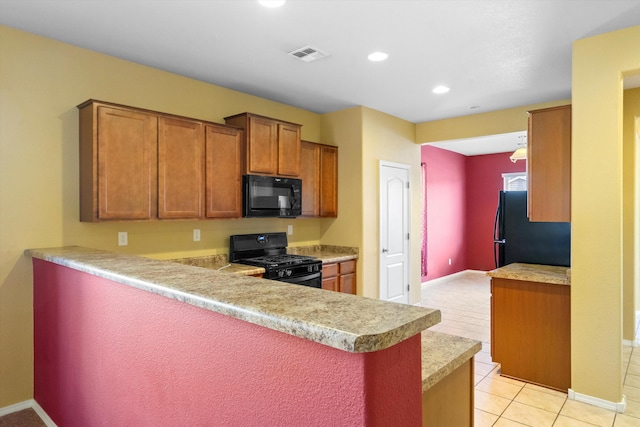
[(461, 198), (483, 182), (110, 354)]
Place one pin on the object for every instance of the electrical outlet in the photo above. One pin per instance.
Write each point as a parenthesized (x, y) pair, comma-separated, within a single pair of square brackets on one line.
[(123, 238), (196, 234), (289, 229)]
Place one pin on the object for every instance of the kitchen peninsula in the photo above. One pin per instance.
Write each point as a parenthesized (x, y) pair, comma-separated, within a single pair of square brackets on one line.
[(122, 338)]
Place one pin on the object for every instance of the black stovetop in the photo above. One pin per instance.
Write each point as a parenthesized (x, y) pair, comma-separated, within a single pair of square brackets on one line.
[(268, 250)]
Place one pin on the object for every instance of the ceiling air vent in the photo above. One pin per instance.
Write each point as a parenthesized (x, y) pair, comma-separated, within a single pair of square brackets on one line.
[(308, 54)]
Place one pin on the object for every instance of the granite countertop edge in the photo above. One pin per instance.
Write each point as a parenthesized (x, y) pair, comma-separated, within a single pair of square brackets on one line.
[(347, 322), (442, 354), (550, 274)]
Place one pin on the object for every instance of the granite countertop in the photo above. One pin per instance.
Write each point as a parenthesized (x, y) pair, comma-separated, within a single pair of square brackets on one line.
[(347, 322), (220, 263), (326, 253), (442, 354), (533, 273)]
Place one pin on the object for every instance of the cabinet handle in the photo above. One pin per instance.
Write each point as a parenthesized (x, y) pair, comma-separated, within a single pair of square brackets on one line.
[(385, 250)]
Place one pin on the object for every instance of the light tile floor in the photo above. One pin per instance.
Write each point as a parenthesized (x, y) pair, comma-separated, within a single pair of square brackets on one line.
[(464, 301)]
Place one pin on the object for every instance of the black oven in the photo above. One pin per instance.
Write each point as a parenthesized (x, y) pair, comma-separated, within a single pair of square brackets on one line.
[(269, 250), (271, 196)]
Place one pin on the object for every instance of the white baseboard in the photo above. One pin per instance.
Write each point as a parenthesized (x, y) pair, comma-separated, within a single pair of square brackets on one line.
[(451, 276), (619, 407), (27, 404)]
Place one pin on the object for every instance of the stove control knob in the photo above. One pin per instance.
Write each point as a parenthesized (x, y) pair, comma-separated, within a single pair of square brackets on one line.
[(289, 272), (281, 273)]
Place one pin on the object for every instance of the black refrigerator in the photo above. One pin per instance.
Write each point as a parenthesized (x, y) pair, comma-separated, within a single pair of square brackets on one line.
[(516, 239)]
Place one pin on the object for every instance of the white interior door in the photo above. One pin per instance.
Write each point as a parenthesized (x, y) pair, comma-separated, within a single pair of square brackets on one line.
[(394, 232)]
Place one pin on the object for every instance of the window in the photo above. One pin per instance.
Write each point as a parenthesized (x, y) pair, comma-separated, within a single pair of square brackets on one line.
[(516, 181)]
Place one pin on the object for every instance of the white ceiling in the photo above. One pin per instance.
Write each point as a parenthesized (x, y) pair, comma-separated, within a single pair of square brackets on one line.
[(493, 54)]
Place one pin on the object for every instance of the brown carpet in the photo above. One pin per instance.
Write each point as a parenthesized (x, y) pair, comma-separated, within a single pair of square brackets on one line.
[(24, 418)]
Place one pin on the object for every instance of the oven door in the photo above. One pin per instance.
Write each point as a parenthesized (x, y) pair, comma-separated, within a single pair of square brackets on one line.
[(313, 280)]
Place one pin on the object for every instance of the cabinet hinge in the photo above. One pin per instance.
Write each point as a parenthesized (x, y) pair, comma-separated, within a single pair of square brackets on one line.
[(408, 287), (407, 184), (408, 236)]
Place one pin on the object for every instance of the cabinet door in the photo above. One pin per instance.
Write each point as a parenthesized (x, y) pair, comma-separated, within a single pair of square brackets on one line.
[(262, 146), (330, 277), (330, 284), (310, 175), (347, 283), (549, 164), (223, 186), (180, 168), (288, 150), (328, 181), (347, 277), (126, 175)]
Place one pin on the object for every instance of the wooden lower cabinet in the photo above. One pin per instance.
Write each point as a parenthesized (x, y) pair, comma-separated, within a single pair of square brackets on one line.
[(531, 331), (340, 276), (450, 401)]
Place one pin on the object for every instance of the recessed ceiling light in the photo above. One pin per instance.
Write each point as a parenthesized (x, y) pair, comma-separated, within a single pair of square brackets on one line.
[(378, 56), (272, 3), (440, 89)]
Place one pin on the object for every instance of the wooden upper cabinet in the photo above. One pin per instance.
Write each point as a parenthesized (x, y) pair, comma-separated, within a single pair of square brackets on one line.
[(549, 164), (223, 159), (319, 173), (288, 150), (117, 163), (180, 168), (328, 181), (139, 164), (310, 175), (272, 147)]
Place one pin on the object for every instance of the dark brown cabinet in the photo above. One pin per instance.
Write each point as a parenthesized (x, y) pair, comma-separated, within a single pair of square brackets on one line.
[(340, 276), (272, 147), (319, 174), (549, 164), (138, 164)]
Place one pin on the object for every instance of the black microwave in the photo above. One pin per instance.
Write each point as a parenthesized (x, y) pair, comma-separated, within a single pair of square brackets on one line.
[(271, 196)]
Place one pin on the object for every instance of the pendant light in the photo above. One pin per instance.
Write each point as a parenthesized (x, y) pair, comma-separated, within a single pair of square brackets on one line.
[(521, 151)]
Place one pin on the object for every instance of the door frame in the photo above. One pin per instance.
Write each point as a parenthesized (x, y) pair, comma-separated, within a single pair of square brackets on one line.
[(406, 167)]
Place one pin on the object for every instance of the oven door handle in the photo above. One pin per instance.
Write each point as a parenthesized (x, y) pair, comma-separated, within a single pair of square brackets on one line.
[(298, 279)]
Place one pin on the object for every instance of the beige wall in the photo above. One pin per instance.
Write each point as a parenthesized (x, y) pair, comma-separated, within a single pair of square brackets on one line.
[(390, 139), (631, 111), (365, 137), (482, 124), (599, 64), (41, 82)]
